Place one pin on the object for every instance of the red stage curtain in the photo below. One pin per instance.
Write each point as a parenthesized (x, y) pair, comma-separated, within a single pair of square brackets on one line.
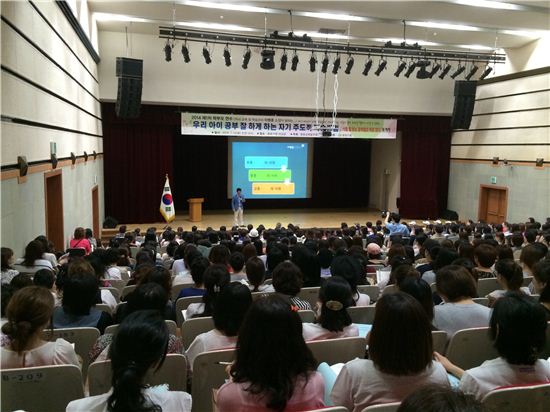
[(137, 155), (425, 154)]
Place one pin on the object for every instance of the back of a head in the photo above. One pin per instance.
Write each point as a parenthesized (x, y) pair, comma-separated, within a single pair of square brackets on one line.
[(518, 327), (29, 311), (485, 254), (444, 258), (438, 398), (325, 258), (198, 267), (79, 293), (33, 251), (44, 278), (455, 283), (7, 255), (530, 255), (140, 343), (274, 256), (255, 271), (231, 307), (219, 254), (236, 261), (421, 291), (159, 275), (541, 274), (511, 273), (216, 277), (287, 278), (335, 297), (400, 318), (271, 352), (147, 296), (402, 272), (348, 268)]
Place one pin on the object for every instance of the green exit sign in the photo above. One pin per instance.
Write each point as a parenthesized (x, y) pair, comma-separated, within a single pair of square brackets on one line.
[(493, 180)]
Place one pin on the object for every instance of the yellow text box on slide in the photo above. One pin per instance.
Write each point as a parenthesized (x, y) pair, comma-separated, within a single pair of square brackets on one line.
[(273, 188)]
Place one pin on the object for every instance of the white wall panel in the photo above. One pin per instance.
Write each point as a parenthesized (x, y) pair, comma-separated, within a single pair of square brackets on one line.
[(520, 119), (531, 135), (525, 153), (521, 85), (521, 102)]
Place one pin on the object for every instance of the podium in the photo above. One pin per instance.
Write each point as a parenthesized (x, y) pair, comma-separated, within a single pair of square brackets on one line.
[(195, 209)]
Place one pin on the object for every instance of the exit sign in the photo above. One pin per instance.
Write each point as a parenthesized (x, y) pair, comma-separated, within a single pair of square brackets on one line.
[(493, 180)]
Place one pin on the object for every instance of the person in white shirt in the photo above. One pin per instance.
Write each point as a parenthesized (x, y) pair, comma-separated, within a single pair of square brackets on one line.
[(231, 306), (510, 277), (139, 346), (111, 259), (216, 277), (518, 328), (350, 269), (333, 320), (400, 357), (33, 260), (255, 273), (236, 261)]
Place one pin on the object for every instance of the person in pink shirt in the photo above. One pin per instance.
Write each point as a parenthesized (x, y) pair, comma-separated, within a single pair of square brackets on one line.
[(274, 370), (79, 241)]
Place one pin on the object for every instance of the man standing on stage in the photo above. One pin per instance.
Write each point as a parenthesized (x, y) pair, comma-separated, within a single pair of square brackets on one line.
[(237, 205)]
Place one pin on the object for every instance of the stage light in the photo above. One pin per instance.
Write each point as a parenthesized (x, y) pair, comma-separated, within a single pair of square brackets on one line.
[(185, 53), (400, 67), (473, 71), (206, 54), (312, 63), (168, 52), (284, 60), (458, 71), (349, 64), (410, 69), (368, 65), (445, 71), (434, 70), (324, 63), (268, 59), (295, 61), (246, 57), (486, 72), (381, 66), (227, 55), (336, 64)]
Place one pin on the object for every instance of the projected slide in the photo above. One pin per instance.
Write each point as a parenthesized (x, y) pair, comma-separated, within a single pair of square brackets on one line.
[(268, 170)]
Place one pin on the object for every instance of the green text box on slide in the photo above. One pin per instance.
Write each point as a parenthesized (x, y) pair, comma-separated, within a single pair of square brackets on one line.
[(269, 175)]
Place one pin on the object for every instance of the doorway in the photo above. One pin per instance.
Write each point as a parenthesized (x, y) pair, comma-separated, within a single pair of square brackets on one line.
[(95, 212), (493, 203), (53, 194)]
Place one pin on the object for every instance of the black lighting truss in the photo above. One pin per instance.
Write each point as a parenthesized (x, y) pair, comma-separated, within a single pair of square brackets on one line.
[(299, 43)]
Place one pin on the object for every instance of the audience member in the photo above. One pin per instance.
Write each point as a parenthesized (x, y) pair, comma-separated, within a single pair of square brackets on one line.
[(255, 273), (33, 259), (509, 277), (216, 277), (437, 398), (79, 241), (8, 272), (199, 266), (485, 256), (350, 269), (287, 281), (236, 261), (541, 283)]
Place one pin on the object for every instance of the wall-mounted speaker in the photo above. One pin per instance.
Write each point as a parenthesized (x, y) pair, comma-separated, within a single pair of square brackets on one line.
[(130, 75), (53, 159), (22, 165), (465, 95), (539, 162)]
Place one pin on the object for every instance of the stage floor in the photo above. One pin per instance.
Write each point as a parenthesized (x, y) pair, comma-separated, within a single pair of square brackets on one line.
[(331, 218)]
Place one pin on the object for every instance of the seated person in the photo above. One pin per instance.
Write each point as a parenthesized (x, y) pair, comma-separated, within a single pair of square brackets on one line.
[(457, 288), (198, 267), (111, 257), (436, 398), (46, 278), (138, 347), (350, 269), (541, 284), (255, 273), (28, 313), (33, 260), (401, 357), (79, 241), (333, 320), (287, 281), (510, 278), (236, 261), (518, 329), (8, 272), (216, 277), (484, 256), (229, 311)]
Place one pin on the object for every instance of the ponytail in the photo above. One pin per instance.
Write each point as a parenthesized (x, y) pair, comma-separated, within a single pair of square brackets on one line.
[(216, 277)]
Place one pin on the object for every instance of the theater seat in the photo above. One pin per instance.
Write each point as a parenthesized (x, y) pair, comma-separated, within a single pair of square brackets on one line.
[(384, 407), (208, 374), (191, 328), (307, 315), (534, 398), (310, 295), (339, 350), (182, 304), (39, 389), (362, 314), (469, 348), (439, 339), (172, 328)]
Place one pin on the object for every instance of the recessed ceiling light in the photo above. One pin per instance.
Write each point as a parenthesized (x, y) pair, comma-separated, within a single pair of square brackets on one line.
[(118, 17), (214, 26), (489, 4), (475, 47), (445, 26), (224, 6), (331, 16)]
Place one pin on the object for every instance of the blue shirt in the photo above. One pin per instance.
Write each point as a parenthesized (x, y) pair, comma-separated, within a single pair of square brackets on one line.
[(398, 229), (237, 202)]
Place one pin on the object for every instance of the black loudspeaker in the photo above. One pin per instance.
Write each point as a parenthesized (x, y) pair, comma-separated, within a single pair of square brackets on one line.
[(110, 222), (449, 215), (22, 165), (465, 94), (130, 74)]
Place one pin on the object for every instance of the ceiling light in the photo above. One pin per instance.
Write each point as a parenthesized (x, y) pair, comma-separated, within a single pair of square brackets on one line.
[(185, 53), (312, 63), (400, 67), (206, 54), (445, 71), (214, 26), (474, 47), (168, 51), (324, 63), (349, 64), (381, 66), (368, 65), (444, 26), (268, 59), (336, 64), (488, 4), (284, 60), (486, 72), (473, 71), (107, 17), (332, 16), (458, 71), (224, 6), (410, 70), (246, 58), (434, 70), (295, 62)]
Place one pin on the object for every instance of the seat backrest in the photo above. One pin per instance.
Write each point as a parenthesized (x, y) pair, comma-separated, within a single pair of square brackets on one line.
[(209, 373), (173, 372), (307, 315), (83, 339), (191, 328), (331, 409), (176, 289), (118, 284), (172, 328), (362, 314), (389, 289), (534, 398), (103, 307), (339, 350), (182, 304), (124, 274), (383, 407), (527, 280), (43, 388), (126, 290), (486, 286), (258, 295), (310, 295), (481, 301), (469, 348), (115, 292), (439, 339), (372, 291)]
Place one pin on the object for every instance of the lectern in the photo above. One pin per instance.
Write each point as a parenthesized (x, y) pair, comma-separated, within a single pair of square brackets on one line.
[(195, 209)]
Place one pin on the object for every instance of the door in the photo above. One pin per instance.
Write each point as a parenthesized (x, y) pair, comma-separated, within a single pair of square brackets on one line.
[(493, 204), (53, 194), (95, 212)]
